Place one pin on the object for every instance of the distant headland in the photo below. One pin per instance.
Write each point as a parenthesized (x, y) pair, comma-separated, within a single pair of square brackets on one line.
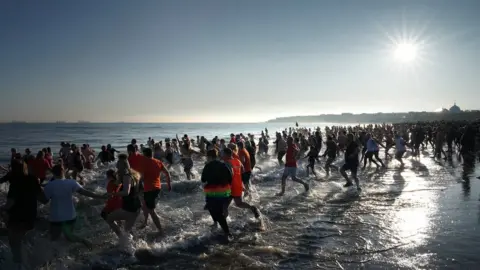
[(454, 113)]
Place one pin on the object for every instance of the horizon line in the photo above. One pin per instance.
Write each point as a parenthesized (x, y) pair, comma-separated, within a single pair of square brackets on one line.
[(123, 122)]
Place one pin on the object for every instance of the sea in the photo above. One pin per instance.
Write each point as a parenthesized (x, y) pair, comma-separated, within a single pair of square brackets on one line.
[(423, 216)]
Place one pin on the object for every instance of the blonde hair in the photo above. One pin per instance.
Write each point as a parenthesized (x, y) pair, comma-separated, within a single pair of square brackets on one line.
[(233, 147), (123, 168)]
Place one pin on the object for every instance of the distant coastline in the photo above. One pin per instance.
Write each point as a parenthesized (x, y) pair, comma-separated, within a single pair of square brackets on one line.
[(381, 117)]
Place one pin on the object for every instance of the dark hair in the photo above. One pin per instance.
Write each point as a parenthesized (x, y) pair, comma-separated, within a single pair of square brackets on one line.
[(240, 145), (131, 148), (19, 167), (227, 151), (148, 152), (212, 153), (57, 170), (111, 173), (122, 157)]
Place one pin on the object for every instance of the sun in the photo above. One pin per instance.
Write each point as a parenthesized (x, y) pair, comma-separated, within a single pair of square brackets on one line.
[(405, 52)]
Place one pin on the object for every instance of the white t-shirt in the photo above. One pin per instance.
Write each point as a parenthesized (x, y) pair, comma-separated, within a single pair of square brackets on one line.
[(60, 193)]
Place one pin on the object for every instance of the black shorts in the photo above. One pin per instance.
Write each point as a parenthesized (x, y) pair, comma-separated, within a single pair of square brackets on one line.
[(371, 154), (65, 227), (187, 164), (281, 154), (351, 166), (150, 198), (399, 154)]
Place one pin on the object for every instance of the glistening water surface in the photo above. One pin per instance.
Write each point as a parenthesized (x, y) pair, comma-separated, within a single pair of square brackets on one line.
[(424, 216)]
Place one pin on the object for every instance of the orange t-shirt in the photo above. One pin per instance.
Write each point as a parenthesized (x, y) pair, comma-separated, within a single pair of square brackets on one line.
[(237, 184), (244, 157), (151, 174), (136, 162)]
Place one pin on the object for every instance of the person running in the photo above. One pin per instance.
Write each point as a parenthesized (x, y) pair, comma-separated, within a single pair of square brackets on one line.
[(135, 159), (152, 168), (400, 148), (104, 155), (281, 147), (217, 177), (372, 151), (130, 193), (291, 167), (115, 202), (21, 206), (60, 192), (331, 152), (312, 156), (112, 152), (247, 165), (186, 151), (237, 184), (40, 166), (351, 162)]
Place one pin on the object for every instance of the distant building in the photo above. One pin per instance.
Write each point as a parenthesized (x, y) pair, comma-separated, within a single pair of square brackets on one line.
[(455, 109)]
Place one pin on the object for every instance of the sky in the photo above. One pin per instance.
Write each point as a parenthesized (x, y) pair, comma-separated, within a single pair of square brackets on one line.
[(234, 61)]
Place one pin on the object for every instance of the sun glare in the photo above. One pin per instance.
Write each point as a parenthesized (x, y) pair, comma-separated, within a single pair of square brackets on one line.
[(405, 52)]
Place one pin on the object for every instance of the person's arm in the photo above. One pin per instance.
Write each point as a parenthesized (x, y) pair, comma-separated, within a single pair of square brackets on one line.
[(90, 194), (4, 168), (5, 178), (167, 175), (80, 190), (127, 184), (203, 178)]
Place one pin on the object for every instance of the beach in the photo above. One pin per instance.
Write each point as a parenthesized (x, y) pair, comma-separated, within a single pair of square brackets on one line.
[(422, 216)]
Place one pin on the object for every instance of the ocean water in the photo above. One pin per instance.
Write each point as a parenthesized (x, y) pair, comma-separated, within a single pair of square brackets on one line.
[(424, 216)]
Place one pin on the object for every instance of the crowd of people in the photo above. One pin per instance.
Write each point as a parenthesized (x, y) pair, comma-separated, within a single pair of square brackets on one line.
[(136, 183)]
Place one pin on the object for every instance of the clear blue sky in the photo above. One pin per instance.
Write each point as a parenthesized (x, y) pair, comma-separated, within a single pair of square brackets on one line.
[(233, 61)]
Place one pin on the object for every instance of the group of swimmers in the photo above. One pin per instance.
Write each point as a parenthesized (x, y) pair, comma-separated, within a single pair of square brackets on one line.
[(136, 183)]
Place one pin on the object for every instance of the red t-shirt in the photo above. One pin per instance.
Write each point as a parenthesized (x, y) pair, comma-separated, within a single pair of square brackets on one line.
[(49, 159), (136, 162), (39, 167), (151, 174), (232, 140), (114, 202), (290, 156)]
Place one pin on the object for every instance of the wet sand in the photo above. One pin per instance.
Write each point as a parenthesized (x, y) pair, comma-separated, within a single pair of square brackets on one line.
[(424, 216)]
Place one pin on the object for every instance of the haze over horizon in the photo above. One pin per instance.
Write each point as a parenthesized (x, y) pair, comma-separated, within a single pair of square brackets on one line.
[(234, 61)]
